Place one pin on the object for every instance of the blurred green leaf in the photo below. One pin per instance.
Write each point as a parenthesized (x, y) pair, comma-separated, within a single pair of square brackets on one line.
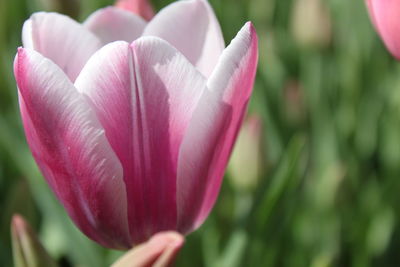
[(284, 177)]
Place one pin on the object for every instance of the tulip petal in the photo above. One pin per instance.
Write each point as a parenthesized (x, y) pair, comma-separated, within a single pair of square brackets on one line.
[(190, 26), (168, 89), (105, 81), (114, 24), (214, 128), (209, 125), (144, 99), (61, 39), (69, 145), (385, 17)]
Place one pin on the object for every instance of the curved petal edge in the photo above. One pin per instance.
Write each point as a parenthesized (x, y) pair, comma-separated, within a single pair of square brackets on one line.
[(230, 86)]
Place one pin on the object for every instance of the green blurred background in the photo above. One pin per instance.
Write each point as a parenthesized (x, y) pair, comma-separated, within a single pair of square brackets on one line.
[(328, 194)]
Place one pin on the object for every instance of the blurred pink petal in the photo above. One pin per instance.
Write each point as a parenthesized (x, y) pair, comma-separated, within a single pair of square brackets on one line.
[(114, 24), (159, 251), (142, 8), (385, 15)]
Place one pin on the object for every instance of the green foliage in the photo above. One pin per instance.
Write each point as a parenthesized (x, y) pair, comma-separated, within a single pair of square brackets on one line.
[(329, 193)]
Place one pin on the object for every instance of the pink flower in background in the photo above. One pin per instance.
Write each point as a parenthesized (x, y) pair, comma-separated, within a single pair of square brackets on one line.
[(134, 138), (140, 7), (385, 15)]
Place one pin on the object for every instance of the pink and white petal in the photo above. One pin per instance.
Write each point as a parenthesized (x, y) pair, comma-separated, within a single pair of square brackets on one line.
[(200, 145), (234, 74), (144, 98), (69, 145), (60, 39), (105, 81), (190, 26), (231, 84), (166, 77), (168, 88), (142, 8), (114, 24)]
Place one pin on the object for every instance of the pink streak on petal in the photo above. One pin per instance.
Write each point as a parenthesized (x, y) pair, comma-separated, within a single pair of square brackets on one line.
[(385, 16), (190, 26), (69, 145), (60, 39), (232, 80), (142, 8), (114, 24)]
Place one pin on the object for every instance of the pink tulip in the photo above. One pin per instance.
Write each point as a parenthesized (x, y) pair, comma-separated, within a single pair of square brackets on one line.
[(140, 7), (385, 15), (135, 138)]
